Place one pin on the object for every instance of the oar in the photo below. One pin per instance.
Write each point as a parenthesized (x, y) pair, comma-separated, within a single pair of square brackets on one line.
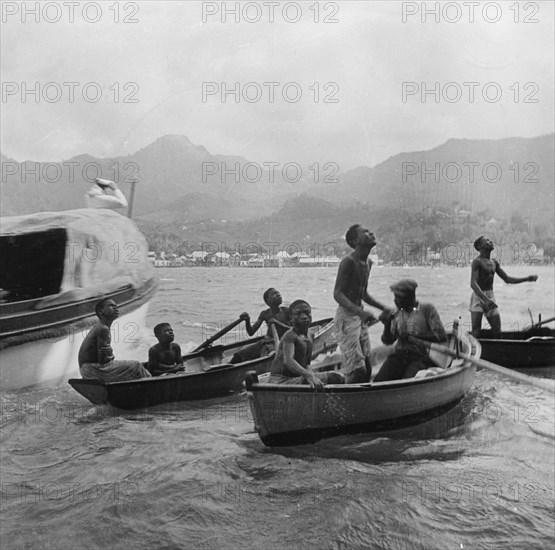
[(538, 382), (219, 334)]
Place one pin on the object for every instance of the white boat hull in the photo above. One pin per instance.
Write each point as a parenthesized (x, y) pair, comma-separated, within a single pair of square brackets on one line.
[(54, 359)]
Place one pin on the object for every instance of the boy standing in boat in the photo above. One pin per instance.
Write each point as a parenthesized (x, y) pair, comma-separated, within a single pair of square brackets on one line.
[(96, 357), (277, 315), (294, 353), (412, 319), (165, 356), (351, 319), (482, 301)]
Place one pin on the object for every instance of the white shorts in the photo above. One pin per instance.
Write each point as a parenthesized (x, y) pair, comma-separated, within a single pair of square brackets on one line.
[(476, 302)]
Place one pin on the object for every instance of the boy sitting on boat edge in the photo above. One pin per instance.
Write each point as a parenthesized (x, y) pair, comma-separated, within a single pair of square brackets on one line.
[(165, 356), (96, 357), (294, 353)]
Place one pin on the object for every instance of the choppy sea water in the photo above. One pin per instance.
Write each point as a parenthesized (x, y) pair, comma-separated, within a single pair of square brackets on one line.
[(196, 475)]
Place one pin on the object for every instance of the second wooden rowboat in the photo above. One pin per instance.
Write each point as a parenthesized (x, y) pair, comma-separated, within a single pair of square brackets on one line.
[(520, 349), (208, 374), (296, 414)]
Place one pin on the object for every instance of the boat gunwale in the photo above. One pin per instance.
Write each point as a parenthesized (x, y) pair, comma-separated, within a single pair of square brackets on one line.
[(34, 310), (548, 333), (152, 380), (362, 387), (139, 294), (512, 341)]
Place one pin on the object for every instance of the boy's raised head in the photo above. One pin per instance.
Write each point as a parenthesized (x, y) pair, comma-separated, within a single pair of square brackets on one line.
[(478, 243), (272, 297), (164, 333), (357, 235), (483, 243), (352, 234), (159, 329), (99, 308)]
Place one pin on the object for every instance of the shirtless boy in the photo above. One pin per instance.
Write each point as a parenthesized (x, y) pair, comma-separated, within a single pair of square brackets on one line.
[(482, 301), (96, 357), (165, 356), (277, 315), (294, 353), (351, 319)]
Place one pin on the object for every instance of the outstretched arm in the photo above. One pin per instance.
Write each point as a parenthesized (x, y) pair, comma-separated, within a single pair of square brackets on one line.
[(373, 302), (514, 280), (251, 329)]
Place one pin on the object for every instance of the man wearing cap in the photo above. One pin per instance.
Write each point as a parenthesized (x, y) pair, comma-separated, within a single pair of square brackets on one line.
[(412, 318), (351, 319), (105, 194), (482, 301)]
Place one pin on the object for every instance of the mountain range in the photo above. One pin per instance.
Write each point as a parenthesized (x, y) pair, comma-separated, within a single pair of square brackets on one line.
[(180, 183)]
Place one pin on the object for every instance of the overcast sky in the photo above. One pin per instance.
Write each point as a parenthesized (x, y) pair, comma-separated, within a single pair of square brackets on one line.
[(161, 55)]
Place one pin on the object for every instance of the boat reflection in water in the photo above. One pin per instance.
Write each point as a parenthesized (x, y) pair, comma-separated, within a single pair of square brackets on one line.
[(55, 267)]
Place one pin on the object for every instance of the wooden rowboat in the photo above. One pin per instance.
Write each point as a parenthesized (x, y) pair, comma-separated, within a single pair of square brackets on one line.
[(208, 374), (296, 414), (520, 349)]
